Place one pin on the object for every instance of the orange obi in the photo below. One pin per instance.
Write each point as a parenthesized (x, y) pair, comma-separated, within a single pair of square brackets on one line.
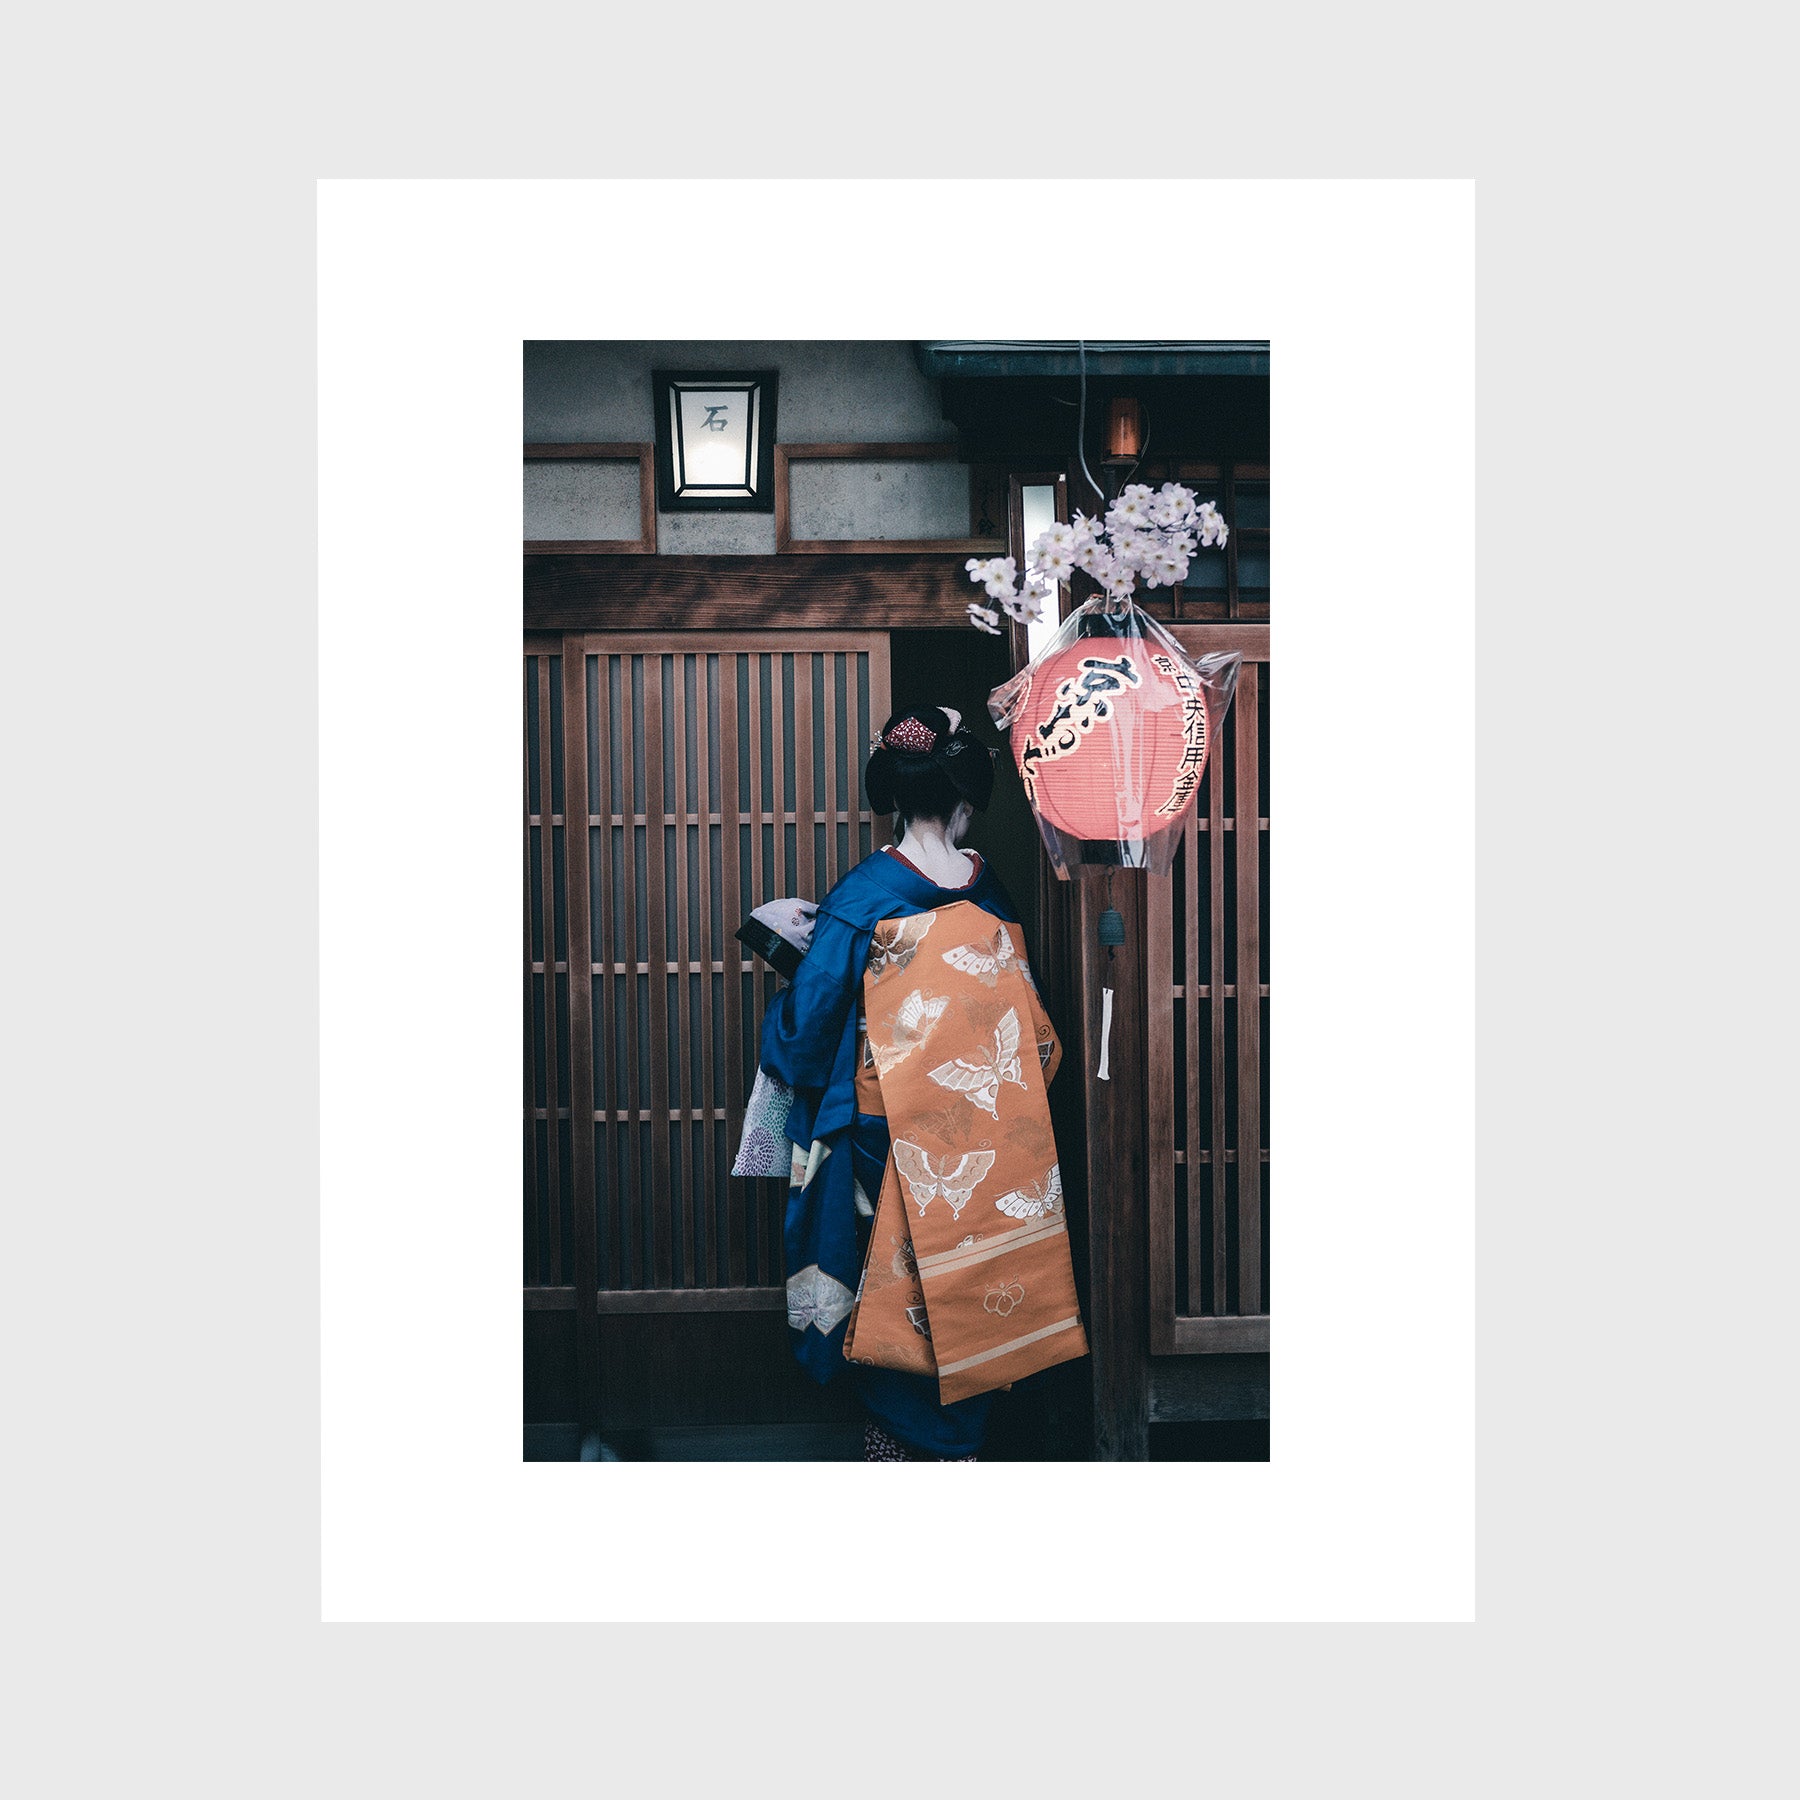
[(967, 1274)]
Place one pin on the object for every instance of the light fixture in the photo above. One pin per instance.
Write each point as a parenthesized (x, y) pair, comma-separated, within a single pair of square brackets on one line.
[(1124, 428), (715, 441)]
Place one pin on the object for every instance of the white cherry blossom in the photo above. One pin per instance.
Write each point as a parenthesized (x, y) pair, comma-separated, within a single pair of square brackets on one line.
[(1145, 536)]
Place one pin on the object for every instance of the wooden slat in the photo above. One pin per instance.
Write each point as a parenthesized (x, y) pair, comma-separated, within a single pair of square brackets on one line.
[(547, 878), (828, 875), (805, 790), (730, 905), (881, 704), (534, 1185), (1159, 1107), (1193, 868), (1249, 1009), (861, 731), (631, 1171), (589, 547), (683, 1099), (611, 1218), (710, 952), (780, 749), (758, 809), (581, 1029), (655, 899), (760, 727), (1228, 506), (1215, 873)]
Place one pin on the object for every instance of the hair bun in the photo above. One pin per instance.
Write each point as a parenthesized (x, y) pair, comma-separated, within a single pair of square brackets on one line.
[(912, 735)]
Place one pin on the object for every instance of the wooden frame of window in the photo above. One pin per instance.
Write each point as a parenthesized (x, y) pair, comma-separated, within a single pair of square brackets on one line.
[(787, 545), (644, 455), (1016, 548)]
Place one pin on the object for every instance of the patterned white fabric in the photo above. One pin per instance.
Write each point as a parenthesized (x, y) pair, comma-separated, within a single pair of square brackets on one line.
[(764, 1149), (815, 1298)]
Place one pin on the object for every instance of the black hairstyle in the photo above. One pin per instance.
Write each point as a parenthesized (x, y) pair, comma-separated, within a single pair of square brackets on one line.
[(923, 765)]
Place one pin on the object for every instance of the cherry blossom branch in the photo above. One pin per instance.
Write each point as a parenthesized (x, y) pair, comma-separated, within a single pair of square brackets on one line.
[(1148, 536)]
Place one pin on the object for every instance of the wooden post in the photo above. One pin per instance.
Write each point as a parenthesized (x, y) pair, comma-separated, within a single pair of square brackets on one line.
[(1117, 1174)]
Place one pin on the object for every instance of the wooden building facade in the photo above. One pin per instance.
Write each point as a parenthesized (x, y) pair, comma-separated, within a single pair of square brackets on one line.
[(698, 697)]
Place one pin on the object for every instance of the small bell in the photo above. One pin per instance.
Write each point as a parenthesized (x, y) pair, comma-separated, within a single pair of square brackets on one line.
[(1112, 927)]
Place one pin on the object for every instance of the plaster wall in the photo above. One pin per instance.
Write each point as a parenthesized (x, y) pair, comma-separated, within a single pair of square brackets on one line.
[(848, 392)]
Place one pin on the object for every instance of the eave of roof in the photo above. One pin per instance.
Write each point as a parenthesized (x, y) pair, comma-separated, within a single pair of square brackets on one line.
[(1217, 356)]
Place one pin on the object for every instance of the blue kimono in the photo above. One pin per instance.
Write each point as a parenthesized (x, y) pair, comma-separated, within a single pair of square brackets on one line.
[(809, 1042)]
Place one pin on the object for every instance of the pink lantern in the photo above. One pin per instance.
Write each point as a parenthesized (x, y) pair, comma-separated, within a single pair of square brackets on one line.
[(1111, 726), (1112, 742)]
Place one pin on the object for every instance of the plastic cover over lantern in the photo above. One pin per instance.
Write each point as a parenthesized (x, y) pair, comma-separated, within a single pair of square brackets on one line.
[(1111, 724)]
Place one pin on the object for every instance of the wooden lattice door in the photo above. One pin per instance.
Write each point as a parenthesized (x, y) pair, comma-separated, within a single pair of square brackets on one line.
[(1207, 980), (688, 779)]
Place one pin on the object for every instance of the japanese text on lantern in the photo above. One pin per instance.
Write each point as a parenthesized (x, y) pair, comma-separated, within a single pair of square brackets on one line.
[(1193, 731), (1081, 701)]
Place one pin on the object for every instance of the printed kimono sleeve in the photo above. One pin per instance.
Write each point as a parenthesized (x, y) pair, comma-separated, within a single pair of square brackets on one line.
[(808, 1032)]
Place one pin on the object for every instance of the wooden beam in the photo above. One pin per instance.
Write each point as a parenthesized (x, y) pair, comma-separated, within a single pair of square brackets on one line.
[(1247, 1332), (1188, 1389), (696, 593)]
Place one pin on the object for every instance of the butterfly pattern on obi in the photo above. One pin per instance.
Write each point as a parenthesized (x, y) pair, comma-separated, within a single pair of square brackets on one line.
[(985, 959), (1035, 1198), (911, 1026), (952, 1177), (978, 1081), (896, 941)]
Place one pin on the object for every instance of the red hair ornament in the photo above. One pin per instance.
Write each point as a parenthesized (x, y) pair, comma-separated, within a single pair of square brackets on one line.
[(1112, 725)]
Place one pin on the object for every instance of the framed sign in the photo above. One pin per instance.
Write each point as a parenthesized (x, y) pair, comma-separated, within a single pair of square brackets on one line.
[(715, 441)]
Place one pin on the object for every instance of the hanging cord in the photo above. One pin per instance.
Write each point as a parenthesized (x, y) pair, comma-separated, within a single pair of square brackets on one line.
[(1081, 427)]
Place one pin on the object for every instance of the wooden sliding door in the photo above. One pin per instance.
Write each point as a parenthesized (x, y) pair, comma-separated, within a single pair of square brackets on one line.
[(1207, 981), (673, 782)]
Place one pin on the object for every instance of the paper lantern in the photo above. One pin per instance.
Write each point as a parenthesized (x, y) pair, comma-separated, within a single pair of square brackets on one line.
[(1111, 740)]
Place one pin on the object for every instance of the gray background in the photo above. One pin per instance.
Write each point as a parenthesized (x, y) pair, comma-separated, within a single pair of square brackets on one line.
[(162, 986)]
